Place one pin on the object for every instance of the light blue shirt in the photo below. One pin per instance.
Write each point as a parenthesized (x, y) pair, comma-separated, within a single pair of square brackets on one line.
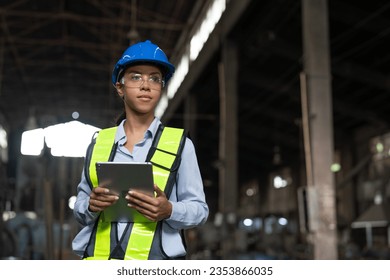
[(189, 208)]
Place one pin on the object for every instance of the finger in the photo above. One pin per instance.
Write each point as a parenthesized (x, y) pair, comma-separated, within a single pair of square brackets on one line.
[(140, 196), (147, 208), (103, 197), (158, 210), (150, 215), (100, 204), (139, 203), (158, 191), (106, 198), (101, 190)]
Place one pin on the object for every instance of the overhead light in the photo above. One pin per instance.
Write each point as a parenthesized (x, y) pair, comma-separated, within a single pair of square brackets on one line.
[(335, 167), (379, 147), (180, 74), (199, 38), (282, 221), (250, 192), (75, 115), (279, 182), (207, 26), (248, 222)]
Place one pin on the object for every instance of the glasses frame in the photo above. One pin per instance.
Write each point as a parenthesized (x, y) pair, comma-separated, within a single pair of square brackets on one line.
[(138, 80)]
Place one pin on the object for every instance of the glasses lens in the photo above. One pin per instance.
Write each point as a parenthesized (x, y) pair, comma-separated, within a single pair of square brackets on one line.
[(137, 79)]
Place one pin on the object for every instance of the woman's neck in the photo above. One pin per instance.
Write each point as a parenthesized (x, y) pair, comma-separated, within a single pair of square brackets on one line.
[(135, 128), (136, 124)]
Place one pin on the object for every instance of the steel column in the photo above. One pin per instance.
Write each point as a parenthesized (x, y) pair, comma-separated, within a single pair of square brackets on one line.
[(228, 188), (317, 115)]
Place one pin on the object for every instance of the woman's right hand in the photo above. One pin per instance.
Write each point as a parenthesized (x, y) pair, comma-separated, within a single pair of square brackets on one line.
[(100, 198)]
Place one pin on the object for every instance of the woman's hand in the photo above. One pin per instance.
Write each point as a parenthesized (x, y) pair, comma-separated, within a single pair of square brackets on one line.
[(100, 198), (153, 208)]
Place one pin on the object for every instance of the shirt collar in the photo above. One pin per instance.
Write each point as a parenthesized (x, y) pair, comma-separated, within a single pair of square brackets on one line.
[(121, 135)]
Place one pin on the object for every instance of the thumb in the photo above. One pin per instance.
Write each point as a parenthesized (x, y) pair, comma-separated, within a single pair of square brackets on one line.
[(158, 191)]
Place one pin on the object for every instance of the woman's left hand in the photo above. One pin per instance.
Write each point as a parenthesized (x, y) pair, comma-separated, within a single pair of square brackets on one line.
[(153, 208)]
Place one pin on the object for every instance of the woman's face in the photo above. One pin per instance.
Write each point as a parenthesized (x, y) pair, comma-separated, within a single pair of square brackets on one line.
[(140, 88)]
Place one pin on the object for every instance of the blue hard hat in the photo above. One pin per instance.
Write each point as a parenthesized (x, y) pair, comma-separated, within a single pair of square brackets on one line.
[(143, 52)]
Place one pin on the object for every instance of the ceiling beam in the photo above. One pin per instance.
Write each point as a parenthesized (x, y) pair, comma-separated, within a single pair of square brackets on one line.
[(30, 16)]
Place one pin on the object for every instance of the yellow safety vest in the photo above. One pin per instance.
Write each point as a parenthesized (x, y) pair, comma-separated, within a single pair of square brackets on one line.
[(165, 157)]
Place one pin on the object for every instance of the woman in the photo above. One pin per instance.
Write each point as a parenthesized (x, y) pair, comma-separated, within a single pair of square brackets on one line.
[(179, 202)]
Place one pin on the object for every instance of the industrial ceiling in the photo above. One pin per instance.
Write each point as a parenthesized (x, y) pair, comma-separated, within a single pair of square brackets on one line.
[(56, 57)]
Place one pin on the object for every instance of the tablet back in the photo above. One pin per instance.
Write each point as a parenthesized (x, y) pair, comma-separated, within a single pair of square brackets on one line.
[(120, 177)]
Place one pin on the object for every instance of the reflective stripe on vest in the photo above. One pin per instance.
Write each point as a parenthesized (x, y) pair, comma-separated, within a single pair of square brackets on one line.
[(141, 237), (142, 234), (101, 152)]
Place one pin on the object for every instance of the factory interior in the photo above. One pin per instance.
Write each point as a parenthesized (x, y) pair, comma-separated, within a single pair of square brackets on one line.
[(286, 101)]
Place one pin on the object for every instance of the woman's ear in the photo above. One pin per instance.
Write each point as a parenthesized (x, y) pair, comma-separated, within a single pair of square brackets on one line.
[(119, 89)]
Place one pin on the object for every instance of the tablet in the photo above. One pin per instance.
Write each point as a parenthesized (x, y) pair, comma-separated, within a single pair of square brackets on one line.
[(120, 177)]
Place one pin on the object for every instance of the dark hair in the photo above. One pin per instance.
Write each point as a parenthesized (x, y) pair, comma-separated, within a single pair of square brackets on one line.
[(120, 118)]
